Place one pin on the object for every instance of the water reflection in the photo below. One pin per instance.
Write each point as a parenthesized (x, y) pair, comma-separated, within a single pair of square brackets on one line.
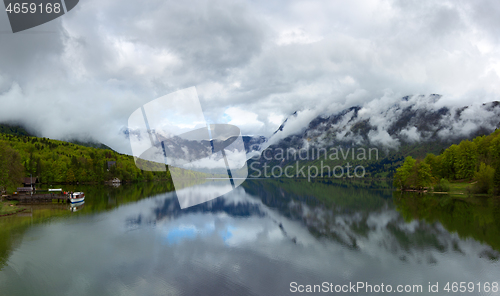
[(253, 241), (469, 217), (77, 206)]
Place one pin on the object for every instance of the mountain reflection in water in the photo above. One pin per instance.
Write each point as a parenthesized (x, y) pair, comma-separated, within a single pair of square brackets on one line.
[(254, 241)]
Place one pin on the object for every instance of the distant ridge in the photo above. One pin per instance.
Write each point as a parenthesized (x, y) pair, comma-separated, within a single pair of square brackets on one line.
[(19, 130), (14, 129), (89, 143)]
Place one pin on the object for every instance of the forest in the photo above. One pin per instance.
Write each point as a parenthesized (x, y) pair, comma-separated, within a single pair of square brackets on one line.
[(476, 162), (59, 162)]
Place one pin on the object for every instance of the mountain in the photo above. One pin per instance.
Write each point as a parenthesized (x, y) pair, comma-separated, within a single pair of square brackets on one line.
[(416, 119), (89, 143), (253, 143), (412, 125), (19, 130), (13, 129)]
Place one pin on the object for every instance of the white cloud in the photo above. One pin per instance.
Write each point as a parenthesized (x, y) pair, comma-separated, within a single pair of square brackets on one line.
[(294, 125), (381, 136), (276, 119), (296, 36), (412, 134), (243, 119)]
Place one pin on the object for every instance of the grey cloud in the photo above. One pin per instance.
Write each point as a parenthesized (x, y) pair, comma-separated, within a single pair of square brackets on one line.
[(96, 66), (105, 58)]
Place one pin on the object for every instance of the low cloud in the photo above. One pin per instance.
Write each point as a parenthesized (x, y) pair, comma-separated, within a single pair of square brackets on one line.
[(412, 134), (389, 121)]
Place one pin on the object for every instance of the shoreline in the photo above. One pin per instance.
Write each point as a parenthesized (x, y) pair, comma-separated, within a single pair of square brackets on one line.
[(16, 211), (465, 194)]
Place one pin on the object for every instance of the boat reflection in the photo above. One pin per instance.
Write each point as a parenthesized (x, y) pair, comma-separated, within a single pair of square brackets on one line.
[(75, 207)]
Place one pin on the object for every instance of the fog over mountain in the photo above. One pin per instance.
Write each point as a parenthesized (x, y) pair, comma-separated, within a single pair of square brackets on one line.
[(252, 62), (388, 122)]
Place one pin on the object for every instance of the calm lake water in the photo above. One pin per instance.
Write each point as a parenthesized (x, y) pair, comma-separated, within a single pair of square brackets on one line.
[(256, 240)]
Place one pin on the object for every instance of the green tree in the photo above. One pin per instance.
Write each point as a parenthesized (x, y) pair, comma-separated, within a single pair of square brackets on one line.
[(70, 176), (11, 167), (494, 148), (435, 164), (424, 175), (496, 179), (465, 161), (448, 162), (403, 173), (484, 179), (443, 186)]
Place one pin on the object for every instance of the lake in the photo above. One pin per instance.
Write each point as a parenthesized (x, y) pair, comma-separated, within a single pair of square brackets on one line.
[(267, 237)]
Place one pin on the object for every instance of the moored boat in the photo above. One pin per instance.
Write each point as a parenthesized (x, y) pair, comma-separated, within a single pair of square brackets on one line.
[(76, 197)]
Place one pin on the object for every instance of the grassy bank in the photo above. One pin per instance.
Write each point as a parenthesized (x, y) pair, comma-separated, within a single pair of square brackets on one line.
[(9, 208), (459, 188)]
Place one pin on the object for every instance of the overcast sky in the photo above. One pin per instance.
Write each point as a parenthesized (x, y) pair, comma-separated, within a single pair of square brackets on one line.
[(252, 62)]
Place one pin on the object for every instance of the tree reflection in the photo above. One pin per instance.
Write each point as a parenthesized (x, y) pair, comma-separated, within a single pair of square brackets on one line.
[(470, 217)]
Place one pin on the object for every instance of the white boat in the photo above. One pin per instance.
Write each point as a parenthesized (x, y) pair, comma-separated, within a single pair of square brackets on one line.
[(76, 197)]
